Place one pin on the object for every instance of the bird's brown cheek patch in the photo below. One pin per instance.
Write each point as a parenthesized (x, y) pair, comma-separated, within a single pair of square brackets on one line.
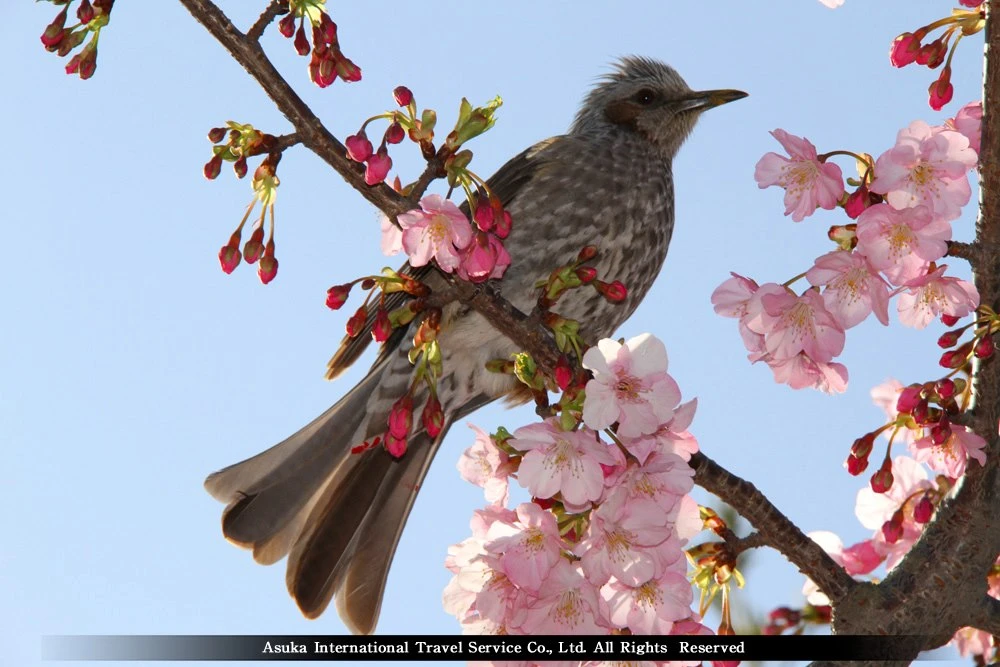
[(623, 112)]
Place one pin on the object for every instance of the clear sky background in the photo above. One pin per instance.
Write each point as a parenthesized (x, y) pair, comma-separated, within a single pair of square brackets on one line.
[(131, 366)]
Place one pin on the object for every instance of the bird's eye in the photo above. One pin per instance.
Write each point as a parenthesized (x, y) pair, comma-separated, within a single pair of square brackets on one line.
[(645, 97)]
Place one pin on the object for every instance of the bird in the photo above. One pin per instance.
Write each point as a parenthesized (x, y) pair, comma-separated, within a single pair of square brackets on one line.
[(338, 515)]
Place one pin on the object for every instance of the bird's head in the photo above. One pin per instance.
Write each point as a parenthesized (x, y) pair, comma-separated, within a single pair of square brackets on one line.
[(649, 97)]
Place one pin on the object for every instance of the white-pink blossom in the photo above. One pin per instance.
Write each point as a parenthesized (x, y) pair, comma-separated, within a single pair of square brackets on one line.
[(902, 243), (485, 465), (630, 386), (652, 607), (564, 462), (439, 230), (802, 372), (934, 294), (852, 289), (927, 167), (795, 324), (566, 604), (951, 457), (528, 549), (969, 123), (809, 184)]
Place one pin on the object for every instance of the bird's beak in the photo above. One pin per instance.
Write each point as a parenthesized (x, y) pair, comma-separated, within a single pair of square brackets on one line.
[(706, 99)]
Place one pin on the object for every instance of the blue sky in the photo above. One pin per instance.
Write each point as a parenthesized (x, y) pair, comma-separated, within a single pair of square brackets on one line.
[(132, 366)]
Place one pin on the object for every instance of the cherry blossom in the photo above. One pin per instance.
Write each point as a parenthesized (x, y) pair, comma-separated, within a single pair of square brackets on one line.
[(797, 324), (951, 456), (886, 396), (852, 289), (969, 122), (527, 549), (801, 372), (926, 167), (567, 604), (565, 462), (483, 259), (630, 386), (485, 465), (809, 184), (902, 243), (438, 231), (934, 294), (652, 607)]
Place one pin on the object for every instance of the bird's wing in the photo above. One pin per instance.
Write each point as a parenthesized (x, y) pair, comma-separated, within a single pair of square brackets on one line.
[(505, 184)]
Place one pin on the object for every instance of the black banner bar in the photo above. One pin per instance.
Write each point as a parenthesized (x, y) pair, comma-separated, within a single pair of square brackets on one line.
[(418, 648)]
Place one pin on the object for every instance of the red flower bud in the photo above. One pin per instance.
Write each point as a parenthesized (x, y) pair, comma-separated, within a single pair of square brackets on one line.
[(229, 255), (984, 348), (213, 167), (240, 167), (932, 55), (586, 274), (856, 465), (359, 148), (941, 91), (54, 32), (862, 447), (882, 479), (432, 417), (403, 95), (86, 12), (502, 224), (563, 373), (587, 253), (328, 29), (356, 324), (892, 530), (483, 215), (217, 134), (948, 339), (949, 320), (544, 503), (378, 167), (301, 41), (909, 398), (286, 26), (394, 133), (255, 246), (905, 48), (923, 510), (401, 417), (945, 388), (381, 328), (267, 269), (347, 70), (857, 202), (395, 446), (614, 292), (337, 295)]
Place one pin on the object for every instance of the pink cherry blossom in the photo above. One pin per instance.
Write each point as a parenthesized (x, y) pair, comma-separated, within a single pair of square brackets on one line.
[(969, 122), (934, 294), (628, 540), (809, 184), (651, 607), (875, 509), (565, 462), (800, 324), (853, 289), (528, 549), (663, 478), (484, 464), (630, 386), (688, 522), (567, 604), (926, 168), (802, 372), (671, 437), (885, 396), (972, 642), (739, 297), (952, 456), (902, 243), (860, 558), (438, 231)]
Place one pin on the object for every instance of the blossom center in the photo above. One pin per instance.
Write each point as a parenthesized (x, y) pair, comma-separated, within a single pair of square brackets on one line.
[(900, 239), (627, 388), (438, 228), (648, 595), (799, 175)]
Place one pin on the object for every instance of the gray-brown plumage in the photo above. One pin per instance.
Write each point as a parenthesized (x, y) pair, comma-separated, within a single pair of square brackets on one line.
[(608, 182)]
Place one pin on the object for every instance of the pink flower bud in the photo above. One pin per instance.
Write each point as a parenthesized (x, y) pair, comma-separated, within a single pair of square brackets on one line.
[(941, 91), (267, 269), (972, 4), (401, 417), (356, 324), (954, 358), (932, 55), (328, 29), (483, 215), (945, 388), (882, 479), (909, 398), (905, 48), (337, 295), (301, 41), (586, 274), (941, 432), (286, 26), (378, 167), (395, 446), (229, 255), (856, 465), (949, 320), (381, 328), (359, 148), (347, 70), (923, 510), (213, 167), (862, 447), (394, 133), (615, 292), (563, 373), (403, 95), (502, 224), (255, 246), (948, 339), (432, 417), (984, 348), (86, 12), (892, 530)]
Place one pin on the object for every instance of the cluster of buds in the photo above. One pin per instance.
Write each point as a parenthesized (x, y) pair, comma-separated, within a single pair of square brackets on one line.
[(359, 147), (426, 357), (242, 141), (58, 38), (715, 568), (265, 185), (794, 621), (981, 346), (383, 321), (327, 62), (910, 47), (576, 275), (918, 506)]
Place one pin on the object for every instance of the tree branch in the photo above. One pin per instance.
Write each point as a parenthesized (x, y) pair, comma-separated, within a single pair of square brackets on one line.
[(775, 529), (274, 10), (985, 615)]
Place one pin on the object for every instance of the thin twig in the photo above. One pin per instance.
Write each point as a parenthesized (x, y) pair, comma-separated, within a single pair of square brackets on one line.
[(274, 10)]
